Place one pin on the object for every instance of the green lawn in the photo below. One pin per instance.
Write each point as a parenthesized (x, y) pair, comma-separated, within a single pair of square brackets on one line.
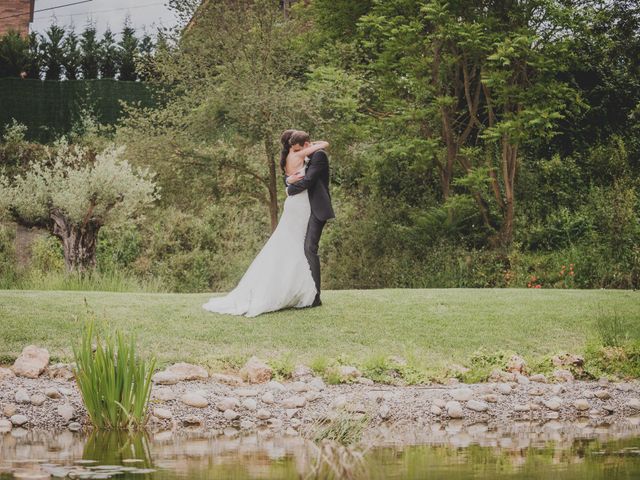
[(432, 327)]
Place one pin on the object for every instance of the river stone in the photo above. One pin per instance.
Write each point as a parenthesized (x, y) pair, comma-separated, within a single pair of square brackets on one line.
[(66, 411), (317, 384), (52, 392), (179, 372), (633, 404), (263, 414), (563, 375), (490, 397), (558, 389), (538, 377), (268, 398), (298, 387), (588, 394), (516, 364), (504, 388), (256, 371), (18, 420), (233, 380), (454, 409), (521, 407), (227, 403), (162, 413), (581, 404), (436, 410), (164, 394), (462, 394), (384, 411), (602, 394), (250, 404), (192, 420), (522, 380), (294, 402), (247, 424), (9, 409), (60, 370), (348, 372), (247, 392), (536, 392), (65, 391), (230, 414), (477, 406), (6, 374), (275, 386), (37, 399), (302, 372), (554, 403), (32, 475), (439, 402), (339, 402), (75, 427), (5, 425), (291, 432), (194, 400), (22, 396), (31, 362)]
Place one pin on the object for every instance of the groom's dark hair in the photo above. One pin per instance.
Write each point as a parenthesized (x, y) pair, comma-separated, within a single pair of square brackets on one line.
[(288, 139), (299, 138)]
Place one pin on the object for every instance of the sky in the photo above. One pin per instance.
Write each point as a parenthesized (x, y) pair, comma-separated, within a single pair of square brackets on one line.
[(144, 14)]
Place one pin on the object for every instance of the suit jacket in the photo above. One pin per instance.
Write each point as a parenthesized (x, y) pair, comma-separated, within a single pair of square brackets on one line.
[(316, 181)]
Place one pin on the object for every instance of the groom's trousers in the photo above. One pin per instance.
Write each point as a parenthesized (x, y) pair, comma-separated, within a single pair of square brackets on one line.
[(311, 241)]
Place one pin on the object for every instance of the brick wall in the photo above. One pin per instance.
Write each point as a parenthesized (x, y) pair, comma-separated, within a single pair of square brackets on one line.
[(16, 15)]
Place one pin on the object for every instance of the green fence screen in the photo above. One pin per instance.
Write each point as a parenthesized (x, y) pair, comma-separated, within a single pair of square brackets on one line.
[(50, 108)]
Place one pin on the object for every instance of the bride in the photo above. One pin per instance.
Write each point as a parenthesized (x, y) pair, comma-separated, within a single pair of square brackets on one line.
[(280, 276)]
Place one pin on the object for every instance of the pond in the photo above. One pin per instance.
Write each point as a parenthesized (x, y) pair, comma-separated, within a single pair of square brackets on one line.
[(452, 450)]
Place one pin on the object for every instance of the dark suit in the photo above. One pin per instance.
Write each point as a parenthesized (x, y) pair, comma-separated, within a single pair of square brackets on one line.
[(316, 182)]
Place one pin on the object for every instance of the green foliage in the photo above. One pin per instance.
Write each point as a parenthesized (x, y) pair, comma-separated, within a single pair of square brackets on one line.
[(283, 367), (114, 382), (611, 329), (482, 363)]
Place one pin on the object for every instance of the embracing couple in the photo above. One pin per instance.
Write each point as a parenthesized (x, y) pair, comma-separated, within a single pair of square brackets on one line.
[(286, 272)]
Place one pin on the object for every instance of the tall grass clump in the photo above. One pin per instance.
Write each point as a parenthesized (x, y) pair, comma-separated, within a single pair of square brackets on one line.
[(611, 329), (115, 383)]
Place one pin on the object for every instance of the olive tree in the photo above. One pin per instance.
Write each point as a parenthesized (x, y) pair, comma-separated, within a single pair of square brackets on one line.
[(73, 194)]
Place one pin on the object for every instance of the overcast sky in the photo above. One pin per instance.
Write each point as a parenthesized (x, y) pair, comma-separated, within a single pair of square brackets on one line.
[(145, 14)]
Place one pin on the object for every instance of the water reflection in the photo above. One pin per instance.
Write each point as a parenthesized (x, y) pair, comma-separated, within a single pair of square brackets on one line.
[(452, 450)]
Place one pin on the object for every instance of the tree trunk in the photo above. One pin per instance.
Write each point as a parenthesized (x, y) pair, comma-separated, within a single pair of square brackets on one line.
[(78, 242), (509, 164)]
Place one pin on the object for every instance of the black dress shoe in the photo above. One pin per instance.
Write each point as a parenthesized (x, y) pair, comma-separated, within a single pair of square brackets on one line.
[(316, 302)]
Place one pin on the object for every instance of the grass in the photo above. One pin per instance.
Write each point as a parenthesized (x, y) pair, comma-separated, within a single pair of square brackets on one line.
[(431, 328)]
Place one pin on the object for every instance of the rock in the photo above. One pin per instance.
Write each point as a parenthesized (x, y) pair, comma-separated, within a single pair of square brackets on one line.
[(436, 410), (37, 399), (603, 381), (5, 425), (504, 388), (602, 394), (65, 391), (633, 404), (624, 387), (384, 412), (74, 427), (52, 392), (439, 402), (268, 398), (231, 415), (233, 380), (192, 420), (498, 375), (6, 374), (302, 372), (162, 413), (247, 392), (538, 377), (609, 409), (294, 402), (291, 412), (452, 381), (275, 386), (9, 409), (536, 392), (250, 404), (490, 398), (522, 380), (227, 403), (291, 432), (18, 420), (66, 411), (558, 389), (462, 394), (567, 359), (516, 364), (477, 406), (588, 394), (312, 396), (298, 387), (194, 400), (256, 371), (364, 381), (554, 403), (60, 370), (247, 424), (339, 402), (563, 375), (263, 414), (22, 396), (521, 407), (454, 409), (581, 404), (317, 384), (347, 372), (179, 372), (31, 362), (164, 394)]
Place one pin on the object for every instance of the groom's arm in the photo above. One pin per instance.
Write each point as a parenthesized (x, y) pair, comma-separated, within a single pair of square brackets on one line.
[(318, 163)]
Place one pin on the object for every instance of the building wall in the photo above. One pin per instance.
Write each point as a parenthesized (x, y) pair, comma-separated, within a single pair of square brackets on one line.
[(15, 15)]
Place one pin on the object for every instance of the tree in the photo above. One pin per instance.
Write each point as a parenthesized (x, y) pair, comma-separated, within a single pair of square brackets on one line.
[(108, 55), (90, 59), (128, 53), (72, 55), (145, 60), (53, 52), (73, 195), (14, 54), (34, 61)]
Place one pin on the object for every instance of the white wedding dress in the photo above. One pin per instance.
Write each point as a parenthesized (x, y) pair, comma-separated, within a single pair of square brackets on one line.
[(280, 276)]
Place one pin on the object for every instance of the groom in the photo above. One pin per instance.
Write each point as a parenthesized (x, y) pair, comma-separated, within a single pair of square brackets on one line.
[(316, 181)]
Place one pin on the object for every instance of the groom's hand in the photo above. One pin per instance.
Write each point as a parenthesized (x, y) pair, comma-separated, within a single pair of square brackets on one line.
[(296, 177)]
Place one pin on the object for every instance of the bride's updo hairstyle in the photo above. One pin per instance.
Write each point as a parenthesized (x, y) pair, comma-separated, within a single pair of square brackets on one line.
[(288, 139)]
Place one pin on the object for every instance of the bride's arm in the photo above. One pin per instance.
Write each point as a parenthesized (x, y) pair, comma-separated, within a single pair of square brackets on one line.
[(313, 148)]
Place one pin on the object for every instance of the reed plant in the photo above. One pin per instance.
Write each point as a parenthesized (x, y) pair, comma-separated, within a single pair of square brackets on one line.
[(115, 383)]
